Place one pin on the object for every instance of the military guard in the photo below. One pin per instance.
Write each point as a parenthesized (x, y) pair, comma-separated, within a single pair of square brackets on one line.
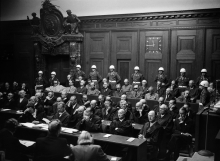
[(40, 81), (77, 74), (53, 78), (182, 81), (136, 77), (95, 76), (203, 77), (113, 77), (161, 76)]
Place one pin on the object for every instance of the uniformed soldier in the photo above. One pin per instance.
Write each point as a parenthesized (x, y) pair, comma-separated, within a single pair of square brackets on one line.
[(95, 76), (53, 78), (136, 77), (161, 76), (182, 81), (113, 77), (40, 82), (76, 75), (204, 96), (203, 77)]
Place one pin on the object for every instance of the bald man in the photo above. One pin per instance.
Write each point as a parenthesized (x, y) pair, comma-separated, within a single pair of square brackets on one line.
[(150, 132), (140, 115), (121, 125)]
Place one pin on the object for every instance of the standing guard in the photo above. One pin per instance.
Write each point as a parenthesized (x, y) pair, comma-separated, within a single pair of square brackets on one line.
[(95, 76), (136, 77), (203, 77), (182, 81), (77, 74), (161, 77), (53, 78), (40, 81), (113, 77)]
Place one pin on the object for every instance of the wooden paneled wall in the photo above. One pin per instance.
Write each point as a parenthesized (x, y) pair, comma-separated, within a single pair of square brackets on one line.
[(189, 39)]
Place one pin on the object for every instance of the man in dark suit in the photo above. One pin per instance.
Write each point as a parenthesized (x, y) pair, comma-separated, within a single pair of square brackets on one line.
[(105, 90), (89, 122), (64, 97), (6, 90), (39, 110), (161, 89), (173, 109), (84, 101), (168, 95), (124, 97), (101, 100), (14, 150), (135, 93), (150, 131), (118, 91), (10, 102), (182, 134), (2, 101), (140, 115), (121, 125), (204, 96), (51, 148), (82, 89), (49, 101), (194, 92), (76, 117), (108, 111), (22, 101), (184, 97), (72, 105), (160, 102), (61, 114)]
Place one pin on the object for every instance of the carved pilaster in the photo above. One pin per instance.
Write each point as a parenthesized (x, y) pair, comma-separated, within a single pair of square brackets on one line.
[(39, 58), (74, 56)]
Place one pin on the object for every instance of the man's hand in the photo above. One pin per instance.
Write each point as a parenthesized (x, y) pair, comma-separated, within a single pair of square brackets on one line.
[(140, 136), (187, 134)]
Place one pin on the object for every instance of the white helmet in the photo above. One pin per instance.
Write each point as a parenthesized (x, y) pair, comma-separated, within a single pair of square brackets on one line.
[(204, 83), (40, 72), (53, 73), (182, 70), (136, 68), (203, 71), (78, 66), (112, 67), (93, 67), (161, 68)]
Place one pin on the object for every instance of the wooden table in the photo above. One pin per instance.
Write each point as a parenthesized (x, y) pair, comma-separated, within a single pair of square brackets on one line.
[(138, 145)]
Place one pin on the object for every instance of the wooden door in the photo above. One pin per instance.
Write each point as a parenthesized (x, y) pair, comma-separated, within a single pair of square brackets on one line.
[(153, 54), (212, 61), (59, 64), (97, 52), (187, 52), (124, 53)]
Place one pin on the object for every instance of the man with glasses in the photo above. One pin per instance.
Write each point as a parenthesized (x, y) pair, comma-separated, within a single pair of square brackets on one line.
[(10, 102), (22, 101), (135, 93)]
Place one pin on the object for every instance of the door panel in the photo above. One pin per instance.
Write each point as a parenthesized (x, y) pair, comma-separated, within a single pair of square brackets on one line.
[(97, 52), (153, 53), (124, 53)]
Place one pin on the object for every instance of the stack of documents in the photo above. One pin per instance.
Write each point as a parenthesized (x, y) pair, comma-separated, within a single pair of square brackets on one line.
[(68, 130)]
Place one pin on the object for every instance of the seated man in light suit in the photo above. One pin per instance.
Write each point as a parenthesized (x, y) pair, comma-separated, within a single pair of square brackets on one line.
[(56, 87), (86, 151)]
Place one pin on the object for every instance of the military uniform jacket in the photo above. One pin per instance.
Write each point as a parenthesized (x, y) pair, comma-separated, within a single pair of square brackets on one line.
[(205, 97), (161, 77), (95, 92), (182, 81), (51, 81), (77, 74), (95, 76), (113, 76), (201, 78), (41, 81), (137, 77)]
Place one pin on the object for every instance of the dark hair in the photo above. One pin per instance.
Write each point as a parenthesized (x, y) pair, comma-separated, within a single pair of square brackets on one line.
[(11, 124)]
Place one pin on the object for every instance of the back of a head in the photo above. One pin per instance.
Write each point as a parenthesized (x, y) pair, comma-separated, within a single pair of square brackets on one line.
[(85, 138), (54, 127), (11, 124)]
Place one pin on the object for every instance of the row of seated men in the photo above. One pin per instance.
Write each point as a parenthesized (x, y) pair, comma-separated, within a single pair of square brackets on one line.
[(90, 115), (49, 148)]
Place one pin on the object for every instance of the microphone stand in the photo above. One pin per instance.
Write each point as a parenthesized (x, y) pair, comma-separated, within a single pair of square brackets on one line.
[(206, 152)]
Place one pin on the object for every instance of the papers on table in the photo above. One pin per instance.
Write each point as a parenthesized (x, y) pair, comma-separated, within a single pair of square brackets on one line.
[(30, 125), (26, 142), (130, 139), (19, 112), (41, 125), (68, 130), (46, 120), (107, 135), (114, 158), (5, 109)]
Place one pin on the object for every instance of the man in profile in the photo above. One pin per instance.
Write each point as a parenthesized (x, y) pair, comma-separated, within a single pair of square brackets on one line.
[(51, 147)]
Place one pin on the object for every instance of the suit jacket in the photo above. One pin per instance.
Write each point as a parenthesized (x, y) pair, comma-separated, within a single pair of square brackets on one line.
[(161, 90), (106, 92), (64, 118), (205, 97), (11, 145), (10, 104), (168, 97), (82, 90), (93, 125), (117, 93), (144, 90), (124, 127), (184, 127), (40, 111), (50, 102), (128, 116), (22, 105), (108, 116), (87, 152), (194, 93), (72, 108), (183, 99), (138, 94), (140, 119), (151, 133), (74, 119), (51, 148), (166, 122)]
